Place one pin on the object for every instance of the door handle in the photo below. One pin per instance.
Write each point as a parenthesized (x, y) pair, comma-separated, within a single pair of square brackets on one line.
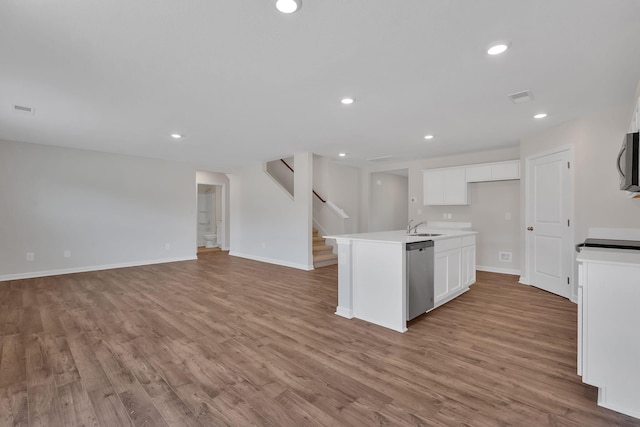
[(530, 228)]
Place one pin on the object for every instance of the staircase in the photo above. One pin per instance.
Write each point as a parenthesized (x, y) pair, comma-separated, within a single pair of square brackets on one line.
[(322, 253)]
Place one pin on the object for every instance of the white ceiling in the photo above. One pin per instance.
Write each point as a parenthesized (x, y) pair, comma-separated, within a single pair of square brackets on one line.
[(245, 83)]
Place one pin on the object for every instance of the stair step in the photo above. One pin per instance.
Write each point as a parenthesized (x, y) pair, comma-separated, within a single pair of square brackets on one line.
[(322, 252), (321, 247), (318, 239), (325, 260)]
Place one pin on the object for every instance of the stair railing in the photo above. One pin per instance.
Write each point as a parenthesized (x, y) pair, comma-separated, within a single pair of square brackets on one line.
[(314, 191)]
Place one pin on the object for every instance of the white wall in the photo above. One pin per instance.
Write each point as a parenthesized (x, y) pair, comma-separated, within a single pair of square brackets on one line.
[(596, 140), (341, 185), (106, 209), (389, 201), (281, 173), (490, 202), (222, 201), (266, 224)]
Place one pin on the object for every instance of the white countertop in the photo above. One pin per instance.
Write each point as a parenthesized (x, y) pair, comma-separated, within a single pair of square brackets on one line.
[(609, 256), (400, 236)]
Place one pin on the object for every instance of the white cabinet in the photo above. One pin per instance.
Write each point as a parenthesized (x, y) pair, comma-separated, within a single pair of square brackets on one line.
[(608, 319), (468, 263), (446, 186), (478, 173), (454, 267), (499, 171), (446, 274)]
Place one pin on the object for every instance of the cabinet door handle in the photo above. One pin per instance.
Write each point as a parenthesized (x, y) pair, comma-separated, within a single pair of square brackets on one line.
[(530, 228)]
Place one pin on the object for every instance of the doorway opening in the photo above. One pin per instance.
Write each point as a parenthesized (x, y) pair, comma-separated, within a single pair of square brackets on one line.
[(388, 200), (209, 218)]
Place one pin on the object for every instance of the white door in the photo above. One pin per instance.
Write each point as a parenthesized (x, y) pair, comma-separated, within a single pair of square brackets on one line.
[(548, 235)]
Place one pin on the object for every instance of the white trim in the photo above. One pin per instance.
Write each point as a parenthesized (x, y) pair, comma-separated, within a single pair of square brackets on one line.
[(523, 280), (337, 210), (273, 261), (499, 270), (34, 274), (344, 312)]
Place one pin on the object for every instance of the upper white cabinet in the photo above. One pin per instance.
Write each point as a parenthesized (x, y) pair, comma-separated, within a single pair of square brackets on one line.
[(499, 171), (446, 186)]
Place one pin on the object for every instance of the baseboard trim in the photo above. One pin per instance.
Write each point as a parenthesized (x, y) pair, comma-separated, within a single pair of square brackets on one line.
[(58, 272), (344, 312), (498, 270), (272, 261), (523, 281)]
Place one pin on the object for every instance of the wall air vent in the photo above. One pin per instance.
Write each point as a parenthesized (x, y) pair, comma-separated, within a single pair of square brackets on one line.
[(521, 97), (380, 159), (24, 110)]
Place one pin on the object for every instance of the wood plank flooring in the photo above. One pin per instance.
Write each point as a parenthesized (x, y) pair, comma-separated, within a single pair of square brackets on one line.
[(228, 341)]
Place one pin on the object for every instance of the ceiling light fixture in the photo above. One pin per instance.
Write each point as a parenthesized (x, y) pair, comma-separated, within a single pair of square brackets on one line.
[(540, 116), (428, 137), (342, 154), (288, 6), (176, 136), (348, 100), (497, 49)]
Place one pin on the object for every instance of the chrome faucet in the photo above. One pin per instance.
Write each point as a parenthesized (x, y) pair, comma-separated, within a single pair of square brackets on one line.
[(415, 227)]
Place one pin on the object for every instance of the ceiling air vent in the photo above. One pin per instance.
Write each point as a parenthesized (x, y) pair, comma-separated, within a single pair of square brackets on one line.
[(380, 159), (521, 97), (24, 110)]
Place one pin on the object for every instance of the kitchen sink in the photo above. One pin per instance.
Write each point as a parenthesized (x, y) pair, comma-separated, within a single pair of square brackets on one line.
[(423, 235)]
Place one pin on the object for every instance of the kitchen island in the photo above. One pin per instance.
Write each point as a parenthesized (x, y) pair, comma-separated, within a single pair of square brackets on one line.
[(372, 282)]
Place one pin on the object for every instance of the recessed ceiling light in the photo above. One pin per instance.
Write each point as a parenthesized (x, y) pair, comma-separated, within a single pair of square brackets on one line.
[(342, 154), (428, 137), (497, 49), (348, 100), (540, 116), (176, 136), (288, 6)]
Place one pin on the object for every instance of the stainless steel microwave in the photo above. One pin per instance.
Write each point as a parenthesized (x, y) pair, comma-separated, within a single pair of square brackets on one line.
[(629, 163)]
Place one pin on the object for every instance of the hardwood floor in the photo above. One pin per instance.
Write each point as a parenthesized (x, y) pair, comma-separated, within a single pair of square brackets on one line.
[(229, 341)]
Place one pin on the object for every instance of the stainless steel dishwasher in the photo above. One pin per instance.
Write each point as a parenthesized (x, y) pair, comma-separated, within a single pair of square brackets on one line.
[(419, 278)]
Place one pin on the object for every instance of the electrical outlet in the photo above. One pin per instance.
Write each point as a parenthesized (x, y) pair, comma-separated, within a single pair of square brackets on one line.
[(67, 254), (30, 256), (507, 216), (419, 212), (449, 216), (444, 216), (167, 246), (504, 256), (263, 244)]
